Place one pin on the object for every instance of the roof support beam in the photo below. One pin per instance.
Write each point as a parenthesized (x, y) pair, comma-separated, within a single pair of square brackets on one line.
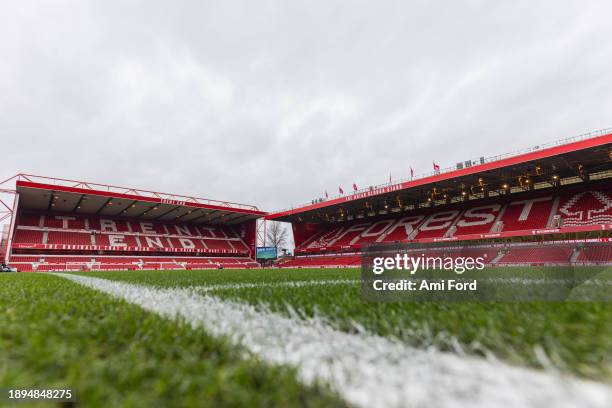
[(78, 204), (51, 197), (188, 213), (103, 206), (205, 215), (120, 213), (217, 218), (166, 213), (232, 217), (240, 218), (146, 211)]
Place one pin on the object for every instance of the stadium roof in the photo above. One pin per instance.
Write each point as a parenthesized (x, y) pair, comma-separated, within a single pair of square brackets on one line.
[(579, 156), (69, 196)]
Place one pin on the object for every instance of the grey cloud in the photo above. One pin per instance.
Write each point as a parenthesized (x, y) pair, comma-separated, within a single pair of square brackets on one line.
[(273, 102)]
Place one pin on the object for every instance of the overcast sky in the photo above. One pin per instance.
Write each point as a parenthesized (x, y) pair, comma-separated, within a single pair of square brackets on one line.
[(273, 102)]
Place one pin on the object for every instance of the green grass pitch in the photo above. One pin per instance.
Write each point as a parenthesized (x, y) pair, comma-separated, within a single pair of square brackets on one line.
[(54, 332)]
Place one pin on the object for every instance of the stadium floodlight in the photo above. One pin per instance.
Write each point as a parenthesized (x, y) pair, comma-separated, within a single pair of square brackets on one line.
[(524, 181), (555, 180)]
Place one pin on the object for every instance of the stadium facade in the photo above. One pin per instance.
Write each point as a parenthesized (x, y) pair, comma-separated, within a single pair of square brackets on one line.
[(550, 204)]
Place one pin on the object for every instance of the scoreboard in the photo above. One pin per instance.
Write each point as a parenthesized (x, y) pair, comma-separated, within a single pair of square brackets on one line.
[(266, 253)]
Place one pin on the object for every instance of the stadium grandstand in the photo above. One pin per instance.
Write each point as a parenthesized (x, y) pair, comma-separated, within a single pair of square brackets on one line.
[(57, 225), (548, 205)]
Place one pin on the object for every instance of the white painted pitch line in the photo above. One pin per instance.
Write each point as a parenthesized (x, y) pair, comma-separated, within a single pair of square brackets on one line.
[(288, 284), (366, 370)]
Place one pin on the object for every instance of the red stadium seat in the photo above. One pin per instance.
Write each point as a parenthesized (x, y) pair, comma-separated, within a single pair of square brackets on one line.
[(596, 254), (59, 234), (525, 212), (537, 254), (28, 237), (589, 207), (69, 238)]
